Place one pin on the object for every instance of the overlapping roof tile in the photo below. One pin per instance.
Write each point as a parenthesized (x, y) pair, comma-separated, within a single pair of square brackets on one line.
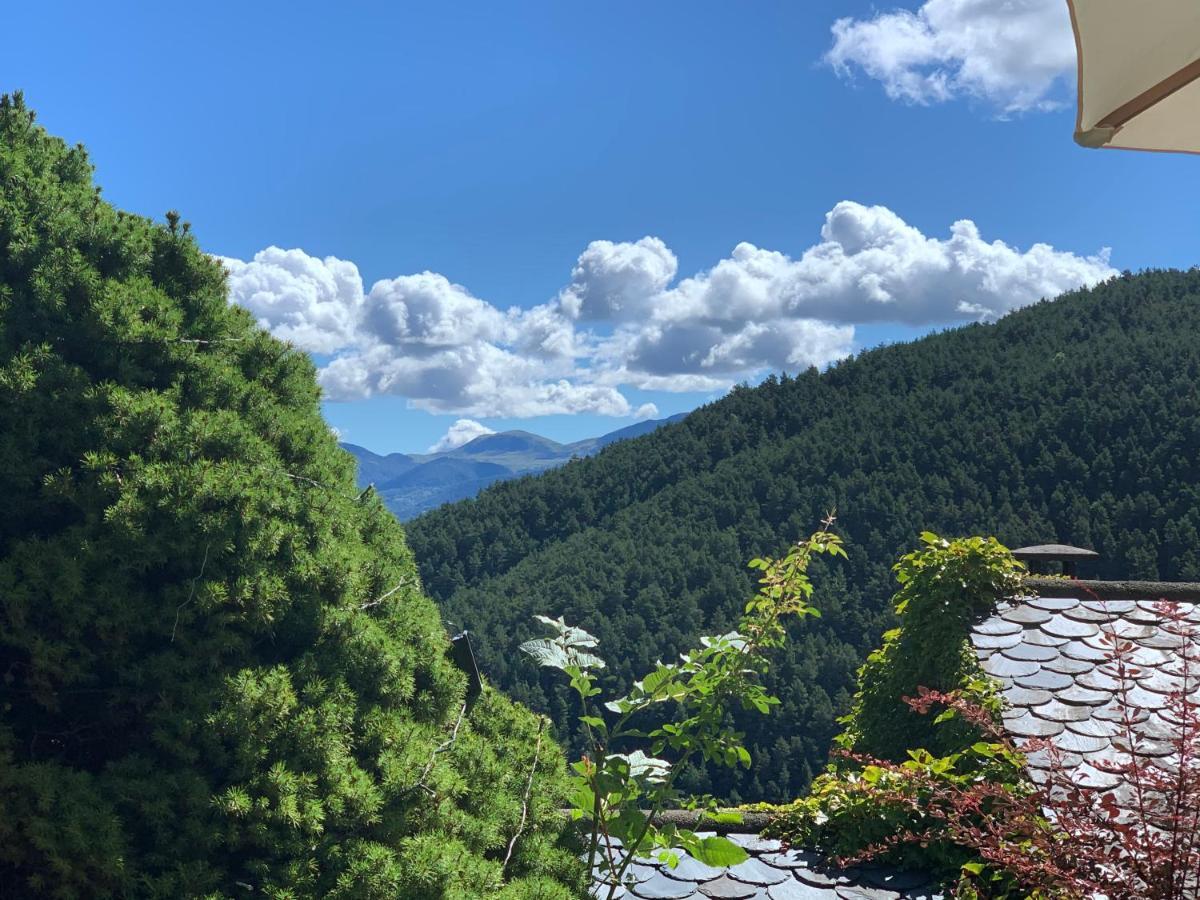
[(771, 873), (1060, 682)]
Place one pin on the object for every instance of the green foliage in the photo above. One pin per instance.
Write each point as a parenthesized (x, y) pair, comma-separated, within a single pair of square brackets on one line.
[(1075, 420), (945, 588), (873, 804), (219, 676), (977, 816), (885, 792), (618, 794)]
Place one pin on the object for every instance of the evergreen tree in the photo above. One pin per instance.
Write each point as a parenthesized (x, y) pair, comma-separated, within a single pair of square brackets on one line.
[(219, 675)]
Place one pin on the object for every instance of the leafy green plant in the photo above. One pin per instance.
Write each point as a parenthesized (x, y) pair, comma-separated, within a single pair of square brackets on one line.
[(617, 794), (959, 800), (945, 587), (893, 761), (916, 811)]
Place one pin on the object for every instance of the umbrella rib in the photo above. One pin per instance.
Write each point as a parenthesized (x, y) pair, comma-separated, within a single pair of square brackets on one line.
[(1152, 95)]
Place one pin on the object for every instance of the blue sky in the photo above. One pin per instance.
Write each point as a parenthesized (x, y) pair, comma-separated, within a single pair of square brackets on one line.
[(492, 144)]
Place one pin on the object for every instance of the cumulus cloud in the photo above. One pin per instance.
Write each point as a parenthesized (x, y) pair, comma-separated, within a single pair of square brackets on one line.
[(873, 266), (428, 311), (762, 309), (478, 379), (312, 302), (461, 432), (625, 320), (699, 356), (645, 411), (1013, 54), (546, 333), (616, 280)]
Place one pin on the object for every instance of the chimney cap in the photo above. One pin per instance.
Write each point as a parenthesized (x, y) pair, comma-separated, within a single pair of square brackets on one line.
[(1063, 552)]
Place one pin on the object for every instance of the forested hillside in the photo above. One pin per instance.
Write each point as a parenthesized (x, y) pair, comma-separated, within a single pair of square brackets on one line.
[(1076, 420)]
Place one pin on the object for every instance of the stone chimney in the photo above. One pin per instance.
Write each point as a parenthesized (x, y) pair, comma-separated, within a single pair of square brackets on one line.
[(1039, 557)]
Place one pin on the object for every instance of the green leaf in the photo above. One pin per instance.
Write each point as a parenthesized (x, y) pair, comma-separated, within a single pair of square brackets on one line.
[(583, 800), (628, 825), (569, 634), (656, 679), (718, 852), (546, 652), (643, 767), (552, 654)]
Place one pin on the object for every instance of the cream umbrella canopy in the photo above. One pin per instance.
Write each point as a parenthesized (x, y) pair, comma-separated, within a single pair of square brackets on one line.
[(1139, 65)]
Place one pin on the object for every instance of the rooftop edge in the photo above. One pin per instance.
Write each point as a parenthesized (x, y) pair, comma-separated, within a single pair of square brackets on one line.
[(1181, 591)]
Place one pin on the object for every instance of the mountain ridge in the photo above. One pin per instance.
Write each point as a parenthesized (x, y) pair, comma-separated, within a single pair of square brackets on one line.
[(413, 483)]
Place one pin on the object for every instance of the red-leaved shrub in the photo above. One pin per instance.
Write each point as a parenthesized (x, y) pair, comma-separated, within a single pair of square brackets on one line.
[(1053, 835)]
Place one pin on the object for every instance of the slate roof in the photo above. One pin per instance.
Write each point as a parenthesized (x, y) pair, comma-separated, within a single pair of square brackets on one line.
[(1048, 655), (771, 873)]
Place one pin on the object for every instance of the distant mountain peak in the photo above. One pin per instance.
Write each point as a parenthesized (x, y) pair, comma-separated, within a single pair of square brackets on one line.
[(411, 484), (510, 442)]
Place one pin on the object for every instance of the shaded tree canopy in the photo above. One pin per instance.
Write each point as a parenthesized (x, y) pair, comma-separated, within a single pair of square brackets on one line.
[(219, 676), (1076, 420)]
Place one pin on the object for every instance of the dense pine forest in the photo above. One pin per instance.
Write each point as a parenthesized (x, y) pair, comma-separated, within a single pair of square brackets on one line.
[(1076, 420)]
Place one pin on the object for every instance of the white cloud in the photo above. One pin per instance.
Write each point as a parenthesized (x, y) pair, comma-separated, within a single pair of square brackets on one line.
[(546, 333), (314, 303), (428, 311), (625, 321), (873, 266), (478, 379), (428, 339), (615, 280), (694, 355), (1013, 54), (645, 411), (761, 309), (461, 432)]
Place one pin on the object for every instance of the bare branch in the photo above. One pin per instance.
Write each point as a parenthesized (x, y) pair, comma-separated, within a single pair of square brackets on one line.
[(525, 801), (439, 749), (407, 581), (192, 592)]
